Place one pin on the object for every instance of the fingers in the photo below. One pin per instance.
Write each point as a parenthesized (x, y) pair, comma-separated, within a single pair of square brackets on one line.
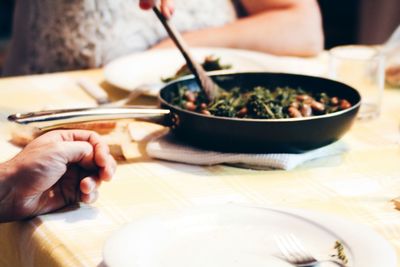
[(108, 171), (71, 135), (89, 184), (101, 150), (146, 4), (101, 153), (167, 6), (89, 198), (77, 152), (96, 157), (79, 135), (88, 189), (105, 161), (87, 149)]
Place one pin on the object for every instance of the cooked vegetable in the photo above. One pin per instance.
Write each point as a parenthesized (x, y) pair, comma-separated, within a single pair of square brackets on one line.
[(260, 103), (210, 63)]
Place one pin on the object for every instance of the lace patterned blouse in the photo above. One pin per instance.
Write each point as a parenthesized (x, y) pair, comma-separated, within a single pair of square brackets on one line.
[(58, 35)]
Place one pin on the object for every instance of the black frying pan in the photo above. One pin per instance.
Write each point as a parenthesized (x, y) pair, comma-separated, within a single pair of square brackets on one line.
[(263, 135), (230, 134)]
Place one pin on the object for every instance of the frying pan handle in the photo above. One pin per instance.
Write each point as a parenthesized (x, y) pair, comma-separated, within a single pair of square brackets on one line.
[(51, 119)]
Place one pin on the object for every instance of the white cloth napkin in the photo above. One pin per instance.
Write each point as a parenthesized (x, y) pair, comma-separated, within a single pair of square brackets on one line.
[(169, 148)]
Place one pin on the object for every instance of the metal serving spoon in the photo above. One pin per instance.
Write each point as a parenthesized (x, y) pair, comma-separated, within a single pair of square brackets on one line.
[(205, 82)]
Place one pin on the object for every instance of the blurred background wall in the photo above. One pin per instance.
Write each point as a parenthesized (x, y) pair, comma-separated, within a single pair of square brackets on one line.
[(359, 21), (345, 21), (6, 7), (378, 19)]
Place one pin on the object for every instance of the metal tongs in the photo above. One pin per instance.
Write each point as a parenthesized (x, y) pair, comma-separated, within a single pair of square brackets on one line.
[(51, 119)]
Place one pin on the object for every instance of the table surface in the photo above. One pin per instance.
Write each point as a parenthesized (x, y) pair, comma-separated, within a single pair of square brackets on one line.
[(357, 185)]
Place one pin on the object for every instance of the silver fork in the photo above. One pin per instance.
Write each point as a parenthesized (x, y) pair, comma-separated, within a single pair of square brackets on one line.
[(295, 253)]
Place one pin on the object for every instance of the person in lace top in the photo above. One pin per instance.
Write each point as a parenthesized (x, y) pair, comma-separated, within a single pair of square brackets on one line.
[(50, 36)]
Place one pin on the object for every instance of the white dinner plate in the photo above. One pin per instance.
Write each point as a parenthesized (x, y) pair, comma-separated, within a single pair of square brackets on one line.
[(233, 235), (132, 71)]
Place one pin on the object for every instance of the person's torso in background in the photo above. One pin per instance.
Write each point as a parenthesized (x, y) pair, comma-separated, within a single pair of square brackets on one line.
[(57, 35)]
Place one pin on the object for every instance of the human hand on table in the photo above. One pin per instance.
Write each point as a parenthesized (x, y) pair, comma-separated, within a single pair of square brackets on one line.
[(55, 170), (166, 6)]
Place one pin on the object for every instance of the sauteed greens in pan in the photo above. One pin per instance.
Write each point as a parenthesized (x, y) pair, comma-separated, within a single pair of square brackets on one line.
[(261, 103), (210, 63)]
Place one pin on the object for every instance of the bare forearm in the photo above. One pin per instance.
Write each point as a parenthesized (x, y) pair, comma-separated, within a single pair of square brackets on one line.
[(296, 31), (285, 31)]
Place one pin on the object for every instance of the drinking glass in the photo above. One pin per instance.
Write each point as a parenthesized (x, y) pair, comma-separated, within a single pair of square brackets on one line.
[(361, 67)]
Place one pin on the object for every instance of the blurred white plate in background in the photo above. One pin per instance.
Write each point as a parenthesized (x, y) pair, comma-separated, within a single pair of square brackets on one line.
[(149, 67)]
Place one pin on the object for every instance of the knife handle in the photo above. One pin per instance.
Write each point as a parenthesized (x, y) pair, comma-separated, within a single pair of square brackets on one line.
[(94, 90)]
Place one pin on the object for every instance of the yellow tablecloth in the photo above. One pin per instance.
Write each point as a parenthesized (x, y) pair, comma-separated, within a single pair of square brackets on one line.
[(357, 185)]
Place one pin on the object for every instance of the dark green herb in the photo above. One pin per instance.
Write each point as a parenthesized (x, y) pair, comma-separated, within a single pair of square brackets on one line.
[(210, 63), (260, 103)]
